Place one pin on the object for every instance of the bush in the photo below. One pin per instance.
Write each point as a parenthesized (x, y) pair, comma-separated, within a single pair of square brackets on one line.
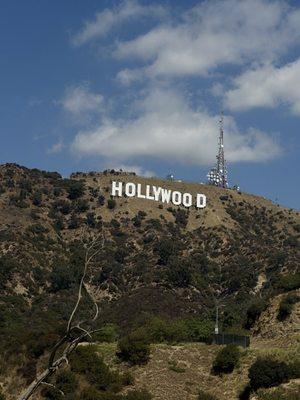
[(86, 361), (254, 311), (61, 278), (134, 348), (109, 334), (91, 220), (226, 360), (205, 396), (289, 282), (165, 248), (267, 372), (66, 382), (173, 331), (74, 222), (181, 218), (75, 189), (179, 273), (294, 369), (101, 200), (111, 204), (63, 206), (286, 306), (37, 198), (2, 396), (82, 205)]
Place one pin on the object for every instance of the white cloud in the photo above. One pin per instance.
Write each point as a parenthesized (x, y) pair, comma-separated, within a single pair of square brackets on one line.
[(56, 147), (79, 100), (266, 86), (140, 171), (212, 34), (109, 18), (166, 128)]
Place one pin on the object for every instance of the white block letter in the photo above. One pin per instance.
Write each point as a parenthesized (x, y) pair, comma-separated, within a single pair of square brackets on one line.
[(139, 192), (148, 195), (165, 195), (156, 192), (176, 198), (116, 188), (187, 200), (201, 201), (130, 189)]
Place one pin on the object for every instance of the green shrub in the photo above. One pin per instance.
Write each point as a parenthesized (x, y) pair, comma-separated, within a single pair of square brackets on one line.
[(181, 218), (91, 220), (108, 333), (2, 396), (227, 359), (111, 204), (74, 222), (66, 382), (205, 396), (286, 306), (101, 200), (254, 311), (179, 273), (62, 206), (82, 205), (61, 278), (134, 348), (294, 369), (87, 362), (75, 189), (51, 393), (288, 282), (37, 198), (192, 329), (165, 248), (267, 372)]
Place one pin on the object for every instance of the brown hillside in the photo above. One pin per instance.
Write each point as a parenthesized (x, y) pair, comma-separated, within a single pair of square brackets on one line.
[(157, 260)]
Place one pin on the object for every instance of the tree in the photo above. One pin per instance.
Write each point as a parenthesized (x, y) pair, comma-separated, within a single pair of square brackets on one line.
[(75, 331), (226, 359), (134, 348), (75, 189), (254, 311), (267, 372), (286, 306)]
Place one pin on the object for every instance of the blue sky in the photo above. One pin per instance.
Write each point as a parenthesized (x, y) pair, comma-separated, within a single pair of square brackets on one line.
[(89, 85)]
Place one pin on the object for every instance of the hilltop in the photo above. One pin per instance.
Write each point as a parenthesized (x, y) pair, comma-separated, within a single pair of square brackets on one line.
[(157, 259)]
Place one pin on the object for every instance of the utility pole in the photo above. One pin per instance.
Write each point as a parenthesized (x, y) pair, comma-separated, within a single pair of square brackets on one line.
[(217, 320)]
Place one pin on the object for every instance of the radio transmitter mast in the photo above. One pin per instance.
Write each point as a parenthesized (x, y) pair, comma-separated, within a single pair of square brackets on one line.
[(218, 175)]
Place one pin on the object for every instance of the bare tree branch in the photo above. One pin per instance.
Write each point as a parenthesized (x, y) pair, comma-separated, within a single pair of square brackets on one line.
[(54, 387), (70, 339)]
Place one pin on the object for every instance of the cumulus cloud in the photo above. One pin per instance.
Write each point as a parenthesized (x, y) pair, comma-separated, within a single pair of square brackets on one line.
[(79, 100), (167, 128), (139, 170), (210, 35), (56, 147), (266, 86), (109, 18)]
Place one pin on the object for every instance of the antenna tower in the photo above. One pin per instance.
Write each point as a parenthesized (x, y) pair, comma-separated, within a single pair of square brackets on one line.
[(218, 175)]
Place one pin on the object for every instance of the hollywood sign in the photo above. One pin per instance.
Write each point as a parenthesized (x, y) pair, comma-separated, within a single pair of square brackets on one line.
[(157, 193)]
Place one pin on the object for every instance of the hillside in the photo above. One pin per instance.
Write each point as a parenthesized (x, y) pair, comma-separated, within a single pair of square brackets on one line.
[(157, 259)]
